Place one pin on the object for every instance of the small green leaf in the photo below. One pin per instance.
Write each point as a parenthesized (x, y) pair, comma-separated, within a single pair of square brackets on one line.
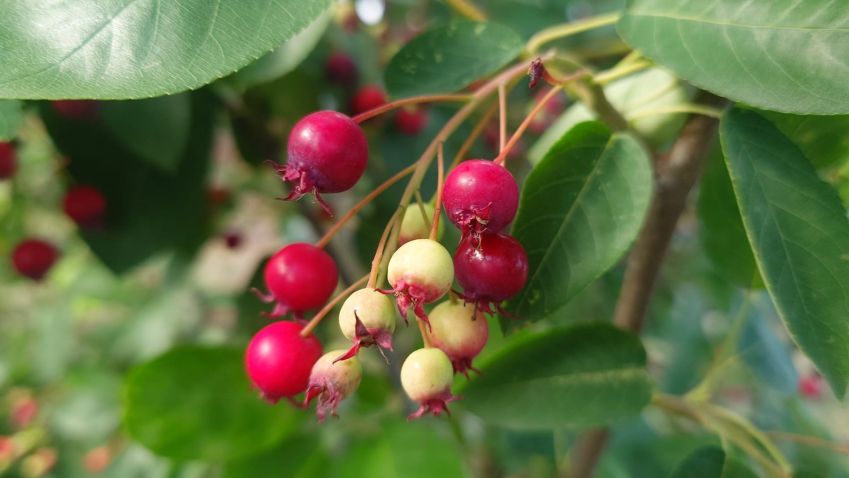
[(711, 462), (581, 208), (782, 55), (11, 117), (580, 375), (799, 233), (446, 59), (196, 403)]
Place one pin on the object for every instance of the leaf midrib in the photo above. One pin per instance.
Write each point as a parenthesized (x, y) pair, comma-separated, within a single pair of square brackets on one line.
[(683, 18), (577, 377)]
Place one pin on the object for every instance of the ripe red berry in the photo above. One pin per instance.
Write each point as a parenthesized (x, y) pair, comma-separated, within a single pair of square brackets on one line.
[(332, 381), (419, 272), (411, 120), (299, 277), (85, 205), (367, 98), (328, 153), (492, 270), (480, 196), (341, 69), (33, 258), (426, 377), (460, 331), (80, 110), (278, 360), (8, 160), (367, 318)]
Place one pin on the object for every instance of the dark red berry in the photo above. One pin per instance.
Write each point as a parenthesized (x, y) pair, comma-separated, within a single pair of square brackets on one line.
[(8, 160), (232, 239), (480, 196), (81, 110), (411, 120), (33, 258), (491, 269), (328, 153), (341, 69), (278, 360), (299, 277), (85, 205), (367, 98)]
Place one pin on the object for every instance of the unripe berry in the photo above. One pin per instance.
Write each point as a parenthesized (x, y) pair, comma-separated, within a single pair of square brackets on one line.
[(367, 318), (420, 272), (341, 69), (299, 277), (367, 98), (33, 258), (278, 360), (411, 120), (8, 160), (332, 381), (426, 377), (460, 331), (492, 270), (480, 196), (79, 110), (327, 153), (85, 205), (416, 225)]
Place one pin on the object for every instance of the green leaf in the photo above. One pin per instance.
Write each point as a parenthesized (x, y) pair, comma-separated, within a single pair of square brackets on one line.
[(781, 55), (11, 117), (823, 139), (711, 462), (581, 208), (119, 49), (586, 374), (196, 403), (155, 129), (299, 456), (800, 235), (446, 59)]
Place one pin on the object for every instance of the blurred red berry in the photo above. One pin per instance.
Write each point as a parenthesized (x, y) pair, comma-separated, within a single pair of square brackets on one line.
[(367, 98), (341, 69), (85, 205), (33, 258), (8, 160)]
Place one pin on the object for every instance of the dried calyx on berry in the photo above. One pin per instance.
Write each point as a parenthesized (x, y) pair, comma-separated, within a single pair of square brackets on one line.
[(420, 272), (426, 377), (299, 277), (480, 196), (332, 381), (279, 361), (491, 269), (459, 330), (416, 223), (367, 318), (33, 258)]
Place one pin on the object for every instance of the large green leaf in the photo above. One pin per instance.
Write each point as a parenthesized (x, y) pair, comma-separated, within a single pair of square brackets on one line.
[(581, 208), (800, 235), (11, 117), (112, 49), (783, 55), (580, 375), (196, 403), (711, 462), (823, 139), (299, 456), (445, 59)]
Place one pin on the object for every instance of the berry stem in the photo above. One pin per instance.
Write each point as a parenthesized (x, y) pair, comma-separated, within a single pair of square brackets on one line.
[(571, 28), (434, 227), (414, 100), (423, 331), (381, 245), (313, 323), (502, 116), (470, 140), (502, 156)]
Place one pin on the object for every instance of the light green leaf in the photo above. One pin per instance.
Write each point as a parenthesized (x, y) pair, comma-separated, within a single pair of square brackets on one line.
[(119, 49), (581, 207), (711, 462), (446, 59), (782, 55), (799, 233), (586, 374), (823, 139), (11, 117)]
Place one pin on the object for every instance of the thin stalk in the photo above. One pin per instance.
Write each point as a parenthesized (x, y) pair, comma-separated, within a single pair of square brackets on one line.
[(313, 323), (810, 441), (423, 331), (683, 108), (502, 116), (502, 156), (414, 100), (467, 9), (381, 245), (440, 178), (473, 136), (617, 72), (567, 29)]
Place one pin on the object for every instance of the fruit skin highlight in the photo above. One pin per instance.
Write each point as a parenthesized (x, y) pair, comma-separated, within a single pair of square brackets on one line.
[(426, 377), (420, 272), (332, 381), (299, 277), (279, 361), (33, 258), (459, 330), (491, 270), (480, 196)]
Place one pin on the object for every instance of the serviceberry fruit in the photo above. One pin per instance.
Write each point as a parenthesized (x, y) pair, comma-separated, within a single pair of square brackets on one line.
[(327, 153), (420, 272), (8, 160), (416, 224), (367, 98), (480, 196), (85, 205), (411, 120), (460, 331), (332, 381), (299, 277), (811, 386), (426, 377), (491, 270), (367, 318), (278, 360), (33, 258), (79, 110), (341, 69)]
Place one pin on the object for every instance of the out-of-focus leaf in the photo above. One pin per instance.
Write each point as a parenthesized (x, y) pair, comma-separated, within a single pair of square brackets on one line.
[(299, 456), (764, 352), (823, 139), (711, 462), (11, 117)]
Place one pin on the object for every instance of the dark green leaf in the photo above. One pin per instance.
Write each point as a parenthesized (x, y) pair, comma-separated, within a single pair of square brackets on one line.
[(11, 117), (117, 49), (579, 375), (782, 55), (299, 456), (445, 59), (823, 139), (196, 403), (711, 462), (581, 208), (800, 235)]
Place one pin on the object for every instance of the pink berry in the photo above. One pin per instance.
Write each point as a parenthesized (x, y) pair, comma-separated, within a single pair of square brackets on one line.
[(367, 98), (426, 377), (8, 160), (24, 410), (85, 205), (299, 277), (80, 110), (419, 272), (367, 318), (411, 120), (460, 331), (278, 360), (33, 258), (328, 153), (811, 386), (332, 381), (480, 196), (341, 69), (492, 270)]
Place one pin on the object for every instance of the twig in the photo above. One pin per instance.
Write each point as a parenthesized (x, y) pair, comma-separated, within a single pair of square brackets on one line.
[(330, 305), (414, 100)]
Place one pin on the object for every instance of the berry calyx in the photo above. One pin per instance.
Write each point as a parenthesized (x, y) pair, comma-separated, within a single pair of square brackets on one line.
[(416, 224), (491, 270), (33, 258), (85, 205), (480, 196), (420, 272), (460, 331), (426, 377), (8, 160), (331, 381), (299, 277), (327, 153), (279, 361), (367, 318), (411, 120), (341, 69), (367, 98), (79, 110)]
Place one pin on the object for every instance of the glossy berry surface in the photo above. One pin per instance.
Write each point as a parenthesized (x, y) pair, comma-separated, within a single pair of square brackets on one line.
[(480, 196), (279, 361), (341, 69), (8, 160), (491, 270), (460, 331), (410, 120), (426, 377), (33, 258), (332, 381), (367, 317), (367, 98), (300, 277), (80, 110), (85, 205), (420, 272)]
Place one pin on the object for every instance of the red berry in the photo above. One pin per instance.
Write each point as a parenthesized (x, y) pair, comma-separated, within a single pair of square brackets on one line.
[(419, 272), (8, 160), (85, 205), (328, 153), (480, 196), (299, 277), (426, 377), (492, 269), (460, 331), (33, 258), (331, 381), (811, 386), (233, 239), (341, 69), (23, 411), (367, 98), (82, 110), (411, 120), (278, 360)]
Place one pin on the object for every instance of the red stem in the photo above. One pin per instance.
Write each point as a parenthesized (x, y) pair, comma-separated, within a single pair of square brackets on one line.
[(502, 156), (407, 101)]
